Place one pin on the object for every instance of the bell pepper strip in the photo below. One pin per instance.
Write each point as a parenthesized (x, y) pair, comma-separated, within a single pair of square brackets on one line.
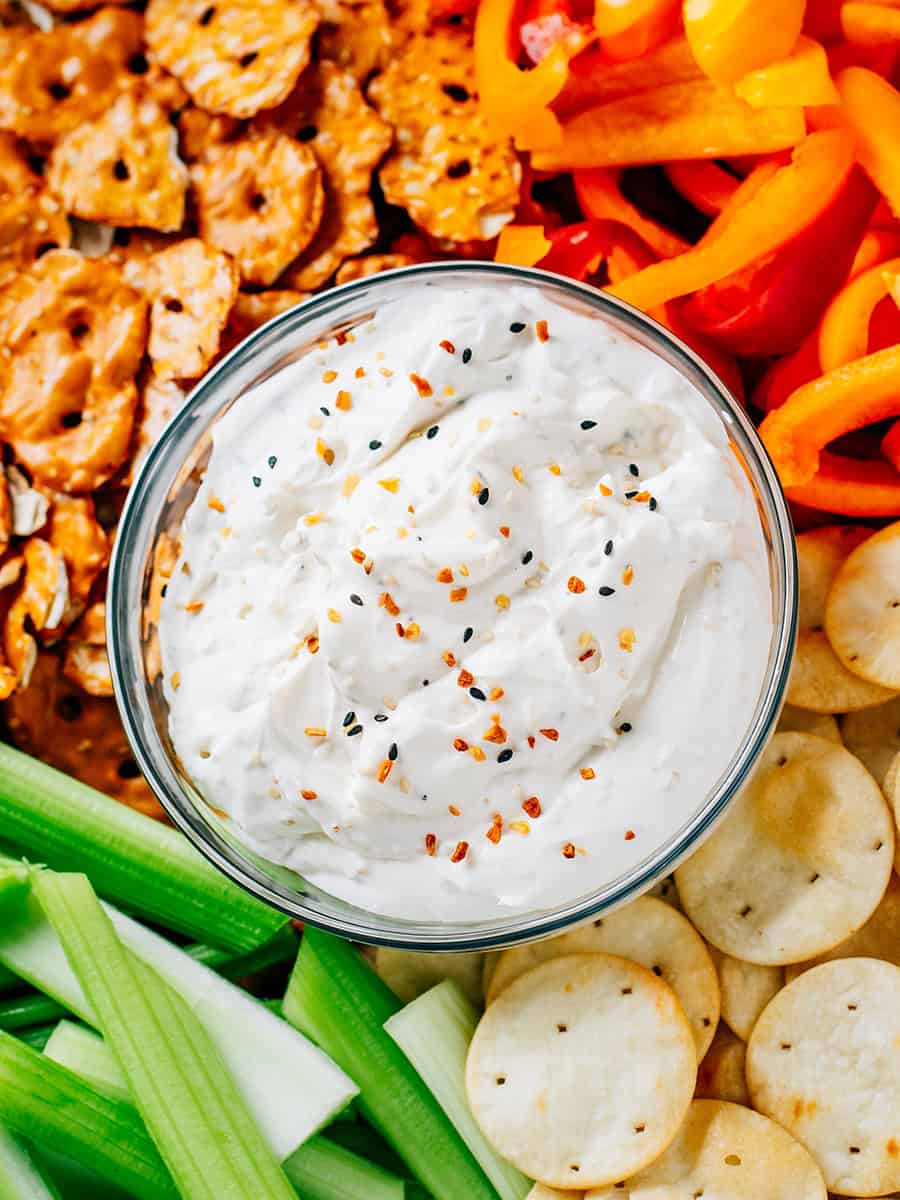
[(872, 108), (822, 20), (696, 119), (878, 245), (870, 24), (743, 194), (593, 79), (704, 184), (880, 59), (851, 487), (442, 10), (770, 305), (577, 250), (521, 245), (803, 78), (731, 37), (884, 327), (512, 99), (844, 333), (611, 17), (600, 198), (788, 373), (890, 446), (782, 207), (857, 394), (658, 23)]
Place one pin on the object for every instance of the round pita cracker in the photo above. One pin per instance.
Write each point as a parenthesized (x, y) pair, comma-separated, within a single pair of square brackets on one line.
[(666, 889), (722, 1074), (878, 938), (541, 1192), (581, 1072), (801, 720), (409, 973), (647, 931), (874, 736), (892, 793), (819, 681), (746, 990), (824, 1061), (726, 1152), (800, 861), (862, 615)]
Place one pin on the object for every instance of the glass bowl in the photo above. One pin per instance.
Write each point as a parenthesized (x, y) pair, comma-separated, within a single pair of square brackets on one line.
[(164, 489)]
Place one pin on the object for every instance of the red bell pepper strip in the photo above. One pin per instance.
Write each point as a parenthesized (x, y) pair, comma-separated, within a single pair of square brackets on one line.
[(704, 184), (788, 373), (844, 333), (890, 445)]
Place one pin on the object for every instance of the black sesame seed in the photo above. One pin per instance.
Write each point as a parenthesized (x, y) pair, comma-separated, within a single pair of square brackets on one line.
[(349, 719), (393, 752), (326, 411), (354, 599), (467, 355), (504, 756), (380, 717), (608, 548), (272, 461), (625, 727), (257, 482), (425, 682), (432, 432), (588, 424), (630, 495), (517, 327), (467, 633), (477, 694), (654, 504), (484, 495), (606, 591), (163, 590), (526, 558), (374, 444), (354, 731), (633, 468)]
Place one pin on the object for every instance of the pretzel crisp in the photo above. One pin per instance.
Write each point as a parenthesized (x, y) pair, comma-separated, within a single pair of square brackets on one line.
[(355, 35), (236, 56), (74, 334), (451, 174), (160, 400), (31, 220), (123, 168), (259, 198), (54, 720), (327, 112), (40, 604), (74, 532), (198, 130), (252, 309), (372, 264), (191, 287), (85, 660), (53, 82)]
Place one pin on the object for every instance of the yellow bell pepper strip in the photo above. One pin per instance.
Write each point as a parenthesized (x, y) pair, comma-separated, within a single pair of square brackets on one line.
[(872, 108), (850, 487), (593, 79), (611, 17), (510, 98), (704, 184), (601, 199), (870, 24), (802, 79), (859, 393), (844, 333), (731, 37), (783, 206), (657, 25), (521, 245), (696, 119), (890, 446)]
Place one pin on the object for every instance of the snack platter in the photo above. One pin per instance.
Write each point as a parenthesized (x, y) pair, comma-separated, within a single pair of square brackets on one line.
[(174, 176)]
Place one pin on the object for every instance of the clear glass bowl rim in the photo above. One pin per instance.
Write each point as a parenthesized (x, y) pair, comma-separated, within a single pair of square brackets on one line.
[(134, 538)]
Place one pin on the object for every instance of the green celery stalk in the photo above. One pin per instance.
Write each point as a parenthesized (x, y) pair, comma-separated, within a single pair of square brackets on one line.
[(281, 948), (8, 981), (434, 1033), (336, 997), (21, 1175), (363, 1141), (137, 862), (36, 1037), (76, 1181), (14, 881), (21, 1012), (48, 1104), (323, 1170), (85, 1052), (290, 1085), (189, 1102)]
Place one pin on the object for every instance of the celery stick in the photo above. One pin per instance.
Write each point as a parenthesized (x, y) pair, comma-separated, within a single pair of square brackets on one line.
[(21, 1175), (281, 948), (14, 881), (190, 1104), (47, 1104), (291, 1086), (76, 1181), (434, 1033), (335, 996), (20, 1012), (8, 981), (85, 1052), (363, 1141), (137, 862), (37, 1037)]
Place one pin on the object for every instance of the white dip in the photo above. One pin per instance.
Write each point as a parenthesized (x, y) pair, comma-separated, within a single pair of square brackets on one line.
[(466, 620)]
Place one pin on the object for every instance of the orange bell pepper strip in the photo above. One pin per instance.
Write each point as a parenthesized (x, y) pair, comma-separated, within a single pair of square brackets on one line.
[(731, 37), (704, 184), (872, 108), (783, 206), (870, 24), (788, 373), (695, 119), (521, 245), (890, 446), (880, 59), (850, 487), (512, 99), (844, 333), (859, 393), (593, 79), (657, 22), (802, 79), (878, 245), (600, 198)]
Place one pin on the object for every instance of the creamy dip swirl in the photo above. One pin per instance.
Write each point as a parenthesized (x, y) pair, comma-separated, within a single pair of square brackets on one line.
[(472, 608)]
